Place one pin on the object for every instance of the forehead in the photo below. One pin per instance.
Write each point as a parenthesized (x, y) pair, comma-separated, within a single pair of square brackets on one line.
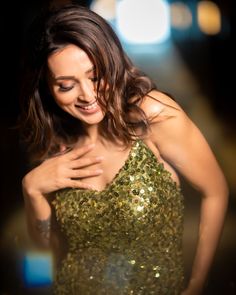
[(68, 61)]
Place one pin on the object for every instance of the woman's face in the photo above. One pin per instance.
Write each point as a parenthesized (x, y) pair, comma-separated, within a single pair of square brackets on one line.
[(72, 82)]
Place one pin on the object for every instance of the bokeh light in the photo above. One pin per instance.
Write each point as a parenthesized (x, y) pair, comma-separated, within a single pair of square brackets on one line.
[(37, 269), (181, 16), (209, 17), (140, 23)]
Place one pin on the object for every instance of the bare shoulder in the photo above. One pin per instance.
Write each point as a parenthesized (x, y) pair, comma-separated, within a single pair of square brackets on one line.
[(158, 105), (181, 144), (170, 125)]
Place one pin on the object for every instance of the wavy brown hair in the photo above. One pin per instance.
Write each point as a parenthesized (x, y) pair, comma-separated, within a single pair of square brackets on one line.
[(121, 86)]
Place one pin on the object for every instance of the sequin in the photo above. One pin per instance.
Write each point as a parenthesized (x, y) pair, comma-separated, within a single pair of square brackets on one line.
[(131, 178), (125, 239)]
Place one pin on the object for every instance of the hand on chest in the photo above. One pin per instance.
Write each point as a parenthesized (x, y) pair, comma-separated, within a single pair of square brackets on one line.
[(114, 159)]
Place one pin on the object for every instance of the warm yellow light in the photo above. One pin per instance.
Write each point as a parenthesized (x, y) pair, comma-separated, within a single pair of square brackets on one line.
[(209, 18), (181, 17)]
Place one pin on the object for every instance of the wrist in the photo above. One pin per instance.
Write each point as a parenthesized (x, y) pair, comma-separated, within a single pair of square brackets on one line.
[(29, 191), (196, 284)]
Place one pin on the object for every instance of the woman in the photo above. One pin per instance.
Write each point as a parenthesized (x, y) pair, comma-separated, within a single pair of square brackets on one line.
[(106, 147)]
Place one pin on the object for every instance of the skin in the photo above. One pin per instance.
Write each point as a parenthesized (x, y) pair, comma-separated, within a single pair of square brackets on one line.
[(173, 138), (72, 81)]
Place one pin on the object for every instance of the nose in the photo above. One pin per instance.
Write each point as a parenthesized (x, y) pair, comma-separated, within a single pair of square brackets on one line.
[(87, 93)]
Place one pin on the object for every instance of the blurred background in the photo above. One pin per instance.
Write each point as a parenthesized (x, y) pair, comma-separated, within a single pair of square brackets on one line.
[(186, 48)]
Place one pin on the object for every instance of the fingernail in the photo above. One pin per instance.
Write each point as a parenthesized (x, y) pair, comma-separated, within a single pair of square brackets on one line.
[(90, 186), (99, 158)]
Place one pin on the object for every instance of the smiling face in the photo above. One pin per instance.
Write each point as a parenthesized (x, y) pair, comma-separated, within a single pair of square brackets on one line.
[(73, 84)]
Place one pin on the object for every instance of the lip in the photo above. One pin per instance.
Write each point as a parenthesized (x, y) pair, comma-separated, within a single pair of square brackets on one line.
[(90, 108)]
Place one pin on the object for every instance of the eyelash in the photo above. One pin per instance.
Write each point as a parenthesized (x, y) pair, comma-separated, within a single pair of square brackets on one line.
[(94, 79), (65, 89)]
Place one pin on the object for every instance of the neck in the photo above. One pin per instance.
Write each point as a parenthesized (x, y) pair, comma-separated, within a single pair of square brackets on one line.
[(92, 134)]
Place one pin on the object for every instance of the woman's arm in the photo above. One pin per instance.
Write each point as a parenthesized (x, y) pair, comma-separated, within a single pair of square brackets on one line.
[(53, 174), (38, 217), (183, 146)]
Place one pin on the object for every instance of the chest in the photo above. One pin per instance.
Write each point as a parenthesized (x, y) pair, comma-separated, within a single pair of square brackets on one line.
[(140, 196), (114, 158)]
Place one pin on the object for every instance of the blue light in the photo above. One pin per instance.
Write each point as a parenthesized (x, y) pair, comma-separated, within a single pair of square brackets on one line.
[(37, 270), (143, 22)]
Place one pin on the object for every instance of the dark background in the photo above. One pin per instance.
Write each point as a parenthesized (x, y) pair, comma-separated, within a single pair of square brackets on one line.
[(210, 59)]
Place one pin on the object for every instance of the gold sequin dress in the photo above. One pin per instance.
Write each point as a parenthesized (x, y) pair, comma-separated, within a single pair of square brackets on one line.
[(127, 238)]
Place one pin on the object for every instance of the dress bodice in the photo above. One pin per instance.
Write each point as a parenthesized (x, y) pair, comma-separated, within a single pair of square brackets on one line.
[(127, 238)]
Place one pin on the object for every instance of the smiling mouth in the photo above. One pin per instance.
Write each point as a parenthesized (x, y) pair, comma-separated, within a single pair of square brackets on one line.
[(90, 106)]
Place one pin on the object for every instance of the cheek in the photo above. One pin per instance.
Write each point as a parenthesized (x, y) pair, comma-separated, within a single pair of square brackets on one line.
[(64, 99), (61, 98)]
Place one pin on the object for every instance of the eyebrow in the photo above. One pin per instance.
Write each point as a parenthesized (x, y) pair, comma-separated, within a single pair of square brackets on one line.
[(92, 69)]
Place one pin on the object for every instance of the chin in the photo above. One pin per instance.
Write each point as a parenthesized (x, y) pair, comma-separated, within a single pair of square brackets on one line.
[(93, 120)]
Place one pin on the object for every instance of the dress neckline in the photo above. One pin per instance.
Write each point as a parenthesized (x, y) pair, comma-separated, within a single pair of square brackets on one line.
[(118, 173), (134, 145)]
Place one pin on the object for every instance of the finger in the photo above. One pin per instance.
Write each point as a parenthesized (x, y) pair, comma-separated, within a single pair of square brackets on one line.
[(79, 151), (79, 184), (83, 173), (84, 162)]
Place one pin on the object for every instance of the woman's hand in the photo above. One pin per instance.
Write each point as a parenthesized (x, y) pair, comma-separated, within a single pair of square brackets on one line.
[(61, 171)]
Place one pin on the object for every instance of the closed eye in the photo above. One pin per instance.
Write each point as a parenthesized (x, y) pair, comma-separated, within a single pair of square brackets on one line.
[(63, 88), (94, 79)]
